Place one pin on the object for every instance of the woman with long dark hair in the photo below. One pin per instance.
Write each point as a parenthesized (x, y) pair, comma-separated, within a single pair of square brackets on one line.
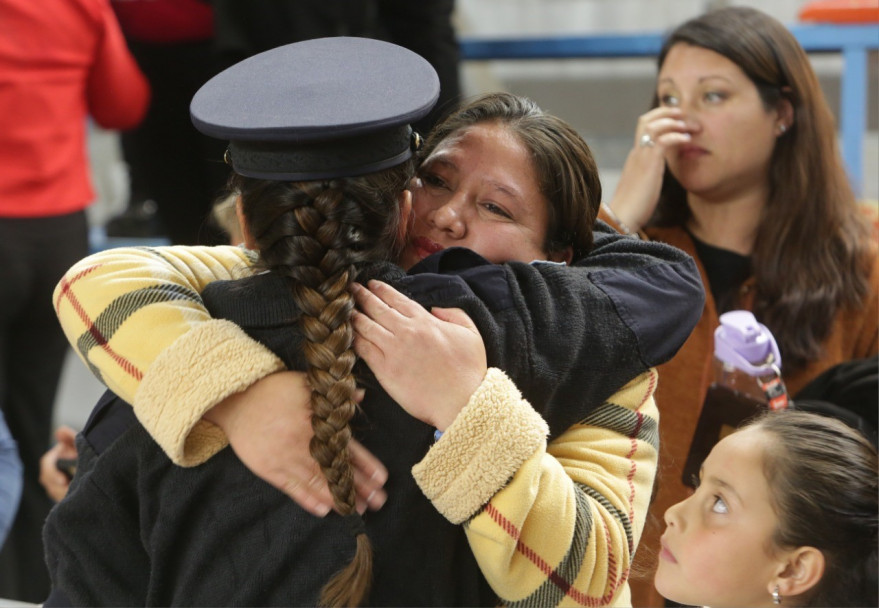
[(738, 165)]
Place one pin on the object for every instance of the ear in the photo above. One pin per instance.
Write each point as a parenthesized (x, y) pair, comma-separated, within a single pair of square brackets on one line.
[(564, 255), (785, 113), (245, 229), (800, 571), (406, 217)]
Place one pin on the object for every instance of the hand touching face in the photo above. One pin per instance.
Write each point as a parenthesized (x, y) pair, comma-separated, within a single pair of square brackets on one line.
[(730, 132)]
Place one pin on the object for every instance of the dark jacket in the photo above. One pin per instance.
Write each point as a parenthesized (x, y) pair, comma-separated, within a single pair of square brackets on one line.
[(216, 534)]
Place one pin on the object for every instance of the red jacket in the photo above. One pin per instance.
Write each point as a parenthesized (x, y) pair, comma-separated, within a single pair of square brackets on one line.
[(60, 62), (165, 21)]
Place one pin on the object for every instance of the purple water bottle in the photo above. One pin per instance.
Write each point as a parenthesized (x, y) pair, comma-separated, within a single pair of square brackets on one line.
[(747, 381), (746, 359)]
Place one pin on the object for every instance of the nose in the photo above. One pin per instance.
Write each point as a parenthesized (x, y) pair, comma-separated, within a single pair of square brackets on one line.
[(690, 116), (674, 515), (449, 218)]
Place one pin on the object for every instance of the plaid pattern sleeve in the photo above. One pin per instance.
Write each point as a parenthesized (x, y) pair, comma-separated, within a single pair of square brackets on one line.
[(105, 301), (562, 526)]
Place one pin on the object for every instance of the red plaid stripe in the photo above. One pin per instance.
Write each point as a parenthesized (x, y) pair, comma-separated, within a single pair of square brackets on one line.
[(578, 596), (66, 292), (633, 467)]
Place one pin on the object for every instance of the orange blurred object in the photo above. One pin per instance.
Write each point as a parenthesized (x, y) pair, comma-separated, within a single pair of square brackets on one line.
[(841, 11)]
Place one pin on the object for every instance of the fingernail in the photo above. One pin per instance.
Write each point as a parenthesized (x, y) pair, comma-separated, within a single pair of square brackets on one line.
[(377, 500), (322, 509)]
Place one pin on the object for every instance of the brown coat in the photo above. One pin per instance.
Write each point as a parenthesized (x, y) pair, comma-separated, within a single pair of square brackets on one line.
[(684, 380)]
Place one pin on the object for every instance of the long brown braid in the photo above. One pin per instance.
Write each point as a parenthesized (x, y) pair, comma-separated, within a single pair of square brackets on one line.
[(317, 234)]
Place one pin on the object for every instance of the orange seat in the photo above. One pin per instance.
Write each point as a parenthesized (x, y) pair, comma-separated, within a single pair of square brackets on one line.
[(841, 11)]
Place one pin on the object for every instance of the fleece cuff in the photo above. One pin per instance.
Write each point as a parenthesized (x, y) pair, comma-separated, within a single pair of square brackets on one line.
[(201, 368), (495, 433)]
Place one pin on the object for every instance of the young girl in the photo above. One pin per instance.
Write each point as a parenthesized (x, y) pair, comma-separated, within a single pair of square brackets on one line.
[(786, 513)]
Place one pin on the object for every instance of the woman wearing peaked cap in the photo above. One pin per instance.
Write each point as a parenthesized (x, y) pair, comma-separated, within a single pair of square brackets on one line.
[(339, 221)]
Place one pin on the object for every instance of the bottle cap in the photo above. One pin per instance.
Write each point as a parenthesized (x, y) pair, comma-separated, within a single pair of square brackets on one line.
[(744, 343)]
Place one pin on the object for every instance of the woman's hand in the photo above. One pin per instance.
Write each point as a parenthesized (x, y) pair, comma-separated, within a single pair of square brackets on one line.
[(269, 427), (56, 482), (638, 188), (429, 362)]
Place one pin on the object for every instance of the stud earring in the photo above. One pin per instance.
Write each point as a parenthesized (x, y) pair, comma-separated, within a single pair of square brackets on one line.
[(782, 129), (776, 596)]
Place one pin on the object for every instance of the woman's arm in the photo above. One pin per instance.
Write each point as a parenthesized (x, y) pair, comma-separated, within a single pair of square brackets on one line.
[(10, 479), (640, 182), (136, 319), (117, 91), (554, 524), (568, 336), (549, 525)]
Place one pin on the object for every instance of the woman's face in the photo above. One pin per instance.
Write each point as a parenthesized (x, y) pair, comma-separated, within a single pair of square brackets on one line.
[(716, 546), (479, 190), (732, 133)]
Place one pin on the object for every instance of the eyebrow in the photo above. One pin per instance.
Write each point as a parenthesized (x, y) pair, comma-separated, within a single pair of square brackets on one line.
[(724, 485), (702, 79), (442, 159), (511, 192), (439, 158)]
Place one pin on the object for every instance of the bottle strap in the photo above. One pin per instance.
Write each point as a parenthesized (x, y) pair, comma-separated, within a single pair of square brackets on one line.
[(774, 389)]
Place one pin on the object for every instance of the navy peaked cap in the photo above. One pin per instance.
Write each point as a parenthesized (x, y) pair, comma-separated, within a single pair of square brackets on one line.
[(318, 109)]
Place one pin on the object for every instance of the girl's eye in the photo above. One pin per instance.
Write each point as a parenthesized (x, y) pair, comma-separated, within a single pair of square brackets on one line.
[(669, 100), (714, 97), (719, 506)]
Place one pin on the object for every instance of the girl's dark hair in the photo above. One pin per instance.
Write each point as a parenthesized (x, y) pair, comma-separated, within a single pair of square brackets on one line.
[(811, 255), (317, 234), (566, 170), (823, 480)]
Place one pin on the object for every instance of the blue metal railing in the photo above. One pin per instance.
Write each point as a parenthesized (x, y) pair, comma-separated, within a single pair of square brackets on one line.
[(852, 41)]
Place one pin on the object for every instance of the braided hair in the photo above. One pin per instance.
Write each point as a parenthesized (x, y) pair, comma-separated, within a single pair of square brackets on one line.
[(317, 234)]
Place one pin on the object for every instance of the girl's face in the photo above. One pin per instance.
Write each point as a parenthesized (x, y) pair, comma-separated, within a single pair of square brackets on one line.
[(716, 549), (479, 190), (732, 133)]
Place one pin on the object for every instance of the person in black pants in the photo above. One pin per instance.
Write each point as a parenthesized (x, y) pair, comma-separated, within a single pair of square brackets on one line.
[(245, 27), (169, 161)]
